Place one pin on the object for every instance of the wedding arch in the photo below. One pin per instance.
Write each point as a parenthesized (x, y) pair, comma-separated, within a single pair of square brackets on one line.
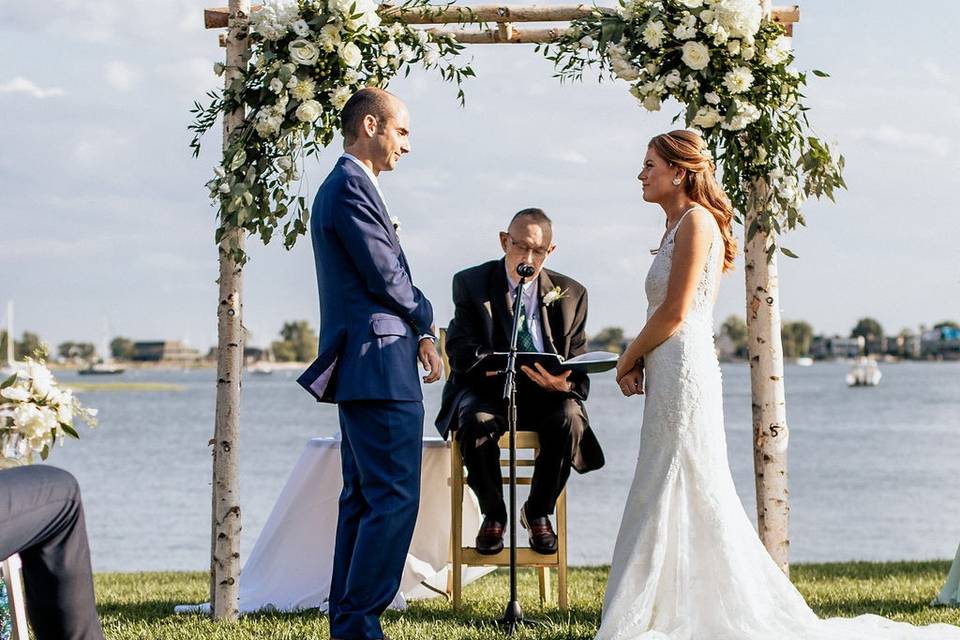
[(292, 64)]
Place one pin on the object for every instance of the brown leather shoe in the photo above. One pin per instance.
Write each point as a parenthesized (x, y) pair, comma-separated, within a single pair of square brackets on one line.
[(490, 537), (542, 538)]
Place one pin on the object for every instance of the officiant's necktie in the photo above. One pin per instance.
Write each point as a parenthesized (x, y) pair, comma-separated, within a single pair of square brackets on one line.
[(524, 337)]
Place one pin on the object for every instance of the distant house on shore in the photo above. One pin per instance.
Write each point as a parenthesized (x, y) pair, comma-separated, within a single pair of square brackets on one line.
[(164, 351), (824, 347)]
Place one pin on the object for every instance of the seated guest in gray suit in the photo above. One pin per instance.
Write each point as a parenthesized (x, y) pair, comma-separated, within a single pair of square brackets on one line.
[(41, 518), (551, 405)]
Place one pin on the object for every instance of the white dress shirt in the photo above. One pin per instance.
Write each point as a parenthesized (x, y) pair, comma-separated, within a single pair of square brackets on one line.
[(531, 304)]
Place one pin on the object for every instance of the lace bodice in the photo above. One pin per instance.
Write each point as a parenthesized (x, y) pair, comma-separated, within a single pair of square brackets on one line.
[(659, 275)]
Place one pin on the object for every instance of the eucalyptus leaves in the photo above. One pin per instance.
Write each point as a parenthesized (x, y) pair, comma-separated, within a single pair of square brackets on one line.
[(731, 70), (308, 58)]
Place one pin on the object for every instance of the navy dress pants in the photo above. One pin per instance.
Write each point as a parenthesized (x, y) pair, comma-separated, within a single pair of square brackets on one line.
[(380, 451), (41, 518)]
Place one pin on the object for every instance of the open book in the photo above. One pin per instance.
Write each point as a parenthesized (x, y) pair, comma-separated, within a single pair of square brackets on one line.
[(591, 362)]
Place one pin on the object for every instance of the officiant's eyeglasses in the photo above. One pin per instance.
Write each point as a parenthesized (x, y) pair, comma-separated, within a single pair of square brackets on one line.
[(525, 248)]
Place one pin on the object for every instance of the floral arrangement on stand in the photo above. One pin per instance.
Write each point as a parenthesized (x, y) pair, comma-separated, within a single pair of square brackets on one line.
[(731, 69), (35, 412), (308, 58)]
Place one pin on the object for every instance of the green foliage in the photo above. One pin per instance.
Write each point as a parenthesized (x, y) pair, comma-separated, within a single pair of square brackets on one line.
[(796, 338), (138, 606), (742, 94), (82, 350), (29, 346), (868, 328), (608, 339), (735, 328), (291, 93), (122, 348), (298, 343)]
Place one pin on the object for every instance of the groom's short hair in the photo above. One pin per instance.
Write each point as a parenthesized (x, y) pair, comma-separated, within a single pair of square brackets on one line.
[(368, 101), (534, 215)]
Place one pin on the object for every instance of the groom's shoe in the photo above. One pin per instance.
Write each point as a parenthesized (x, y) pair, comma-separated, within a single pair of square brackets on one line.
[(542, 538), (490, 537)]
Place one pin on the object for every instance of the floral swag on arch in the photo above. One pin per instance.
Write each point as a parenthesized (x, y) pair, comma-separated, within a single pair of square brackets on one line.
[(730, 68)]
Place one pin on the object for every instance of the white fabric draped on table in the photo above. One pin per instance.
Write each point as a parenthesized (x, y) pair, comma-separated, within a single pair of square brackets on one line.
[(290, 566)]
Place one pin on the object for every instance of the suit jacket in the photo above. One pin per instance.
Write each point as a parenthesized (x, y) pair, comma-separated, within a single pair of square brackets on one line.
[(371, 314), (483, 317)]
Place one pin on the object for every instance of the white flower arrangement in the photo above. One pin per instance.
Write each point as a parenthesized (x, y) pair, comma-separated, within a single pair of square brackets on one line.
[(730, 70), (308, 57), (34, 413), (553, 295)]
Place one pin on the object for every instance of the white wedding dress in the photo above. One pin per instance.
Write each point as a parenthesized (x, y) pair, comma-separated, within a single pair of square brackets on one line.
[(688, 564)]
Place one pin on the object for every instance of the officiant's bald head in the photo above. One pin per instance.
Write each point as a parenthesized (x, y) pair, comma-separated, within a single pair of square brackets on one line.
[(528, 239)]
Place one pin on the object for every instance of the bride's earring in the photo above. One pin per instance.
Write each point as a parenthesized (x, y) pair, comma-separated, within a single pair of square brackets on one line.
[(676, 182)]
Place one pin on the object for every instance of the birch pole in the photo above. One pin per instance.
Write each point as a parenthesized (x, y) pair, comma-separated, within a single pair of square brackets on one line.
[(225, 542)]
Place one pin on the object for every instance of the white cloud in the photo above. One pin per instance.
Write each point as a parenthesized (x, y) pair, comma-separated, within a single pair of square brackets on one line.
[(122, 76), (901, 140), (23, 85), (571, 156), (937, 72)]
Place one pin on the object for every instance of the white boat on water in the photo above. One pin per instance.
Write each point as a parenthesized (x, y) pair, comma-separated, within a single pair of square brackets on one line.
[(10, 365), (864, 373), (106, 366)]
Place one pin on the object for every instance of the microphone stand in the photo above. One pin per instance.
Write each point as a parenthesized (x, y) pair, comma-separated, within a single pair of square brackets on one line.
[(513, 615)]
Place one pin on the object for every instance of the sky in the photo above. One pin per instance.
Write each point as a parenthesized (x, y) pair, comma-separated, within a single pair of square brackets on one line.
[(104, 214)]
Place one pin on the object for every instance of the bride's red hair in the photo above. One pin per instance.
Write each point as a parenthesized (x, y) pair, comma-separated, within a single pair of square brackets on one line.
[(686, 149)]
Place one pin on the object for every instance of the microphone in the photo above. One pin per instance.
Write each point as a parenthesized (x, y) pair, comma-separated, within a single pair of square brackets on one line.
[(525, 270)]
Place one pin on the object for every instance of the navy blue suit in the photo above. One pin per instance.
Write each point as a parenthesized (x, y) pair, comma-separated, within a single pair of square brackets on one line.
[(371, 320)]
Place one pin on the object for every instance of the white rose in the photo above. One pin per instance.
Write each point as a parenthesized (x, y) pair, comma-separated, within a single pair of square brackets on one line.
[(350, 76), (390, 48), (738, 80), (672, 79), (653, 34), (301, 28), (624, 70), (17, 394), (695, 55), (683, 32), (303, 52), (712, 98), (276, 85), (351, 54), (586, 42), (339, 97), (739, 18), (651, 103), (776, 52), (431, 54), (41, 380), (707, 117), (691, 84), (734, 47), (292, 82), (407, 54), (285, 163), (308, 111), (747, 51), (382, 61), (707, 16)]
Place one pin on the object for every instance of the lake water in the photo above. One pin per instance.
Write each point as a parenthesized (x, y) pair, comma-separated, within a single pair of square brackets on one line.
[(873, 472)]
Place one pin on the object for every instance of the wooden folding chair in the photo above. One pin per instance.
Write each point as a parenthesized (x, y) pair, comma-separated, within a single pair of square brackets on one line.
[(461, 556)]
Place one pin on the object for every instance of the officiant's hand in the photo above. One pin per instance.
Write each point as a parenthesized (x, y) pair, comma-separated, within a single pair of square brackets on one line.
[(547, 380), (631, 383), (430, 360)]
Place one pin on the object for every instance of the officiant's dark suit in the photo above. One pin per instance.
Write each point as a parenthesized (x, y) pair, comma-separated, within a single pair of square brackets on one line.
[(472, 404)]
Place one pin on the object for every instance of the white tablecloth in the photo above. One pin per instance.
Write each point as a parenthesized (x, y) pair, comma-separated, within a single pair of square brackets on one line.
[(292, 560)]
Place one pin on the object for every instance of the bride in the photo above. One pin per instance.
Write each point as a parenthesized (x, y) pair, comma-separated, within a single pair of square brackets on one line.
[(688, 564)]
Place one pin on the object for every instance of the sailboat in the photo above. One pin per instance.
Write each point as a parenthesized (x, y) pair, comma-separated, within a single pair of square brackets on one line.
[(10, 365), (106, 366)]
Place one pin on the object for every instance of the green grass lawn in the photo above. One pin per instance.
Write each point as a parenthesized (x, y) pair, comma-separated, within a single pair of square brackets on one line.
[(139, 606)]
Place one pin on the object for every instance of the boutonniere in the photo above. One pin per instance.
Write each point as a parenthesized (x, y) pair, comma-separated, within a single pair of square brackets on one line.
[(395, 221), (553, 295)]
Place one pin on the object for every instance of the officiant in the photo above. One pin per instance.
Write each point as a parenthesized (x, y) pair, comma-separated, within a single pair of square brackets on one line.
[(553, 320)]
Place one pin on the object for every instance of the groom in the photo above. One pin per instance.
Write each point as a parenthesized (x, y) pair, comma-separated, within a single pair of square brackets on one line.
[(375, 325)]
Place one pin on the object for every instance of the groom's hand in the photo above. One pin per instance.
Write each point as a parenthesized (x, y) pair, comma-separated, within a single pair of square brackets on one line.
[(547, 380), (430, 359)]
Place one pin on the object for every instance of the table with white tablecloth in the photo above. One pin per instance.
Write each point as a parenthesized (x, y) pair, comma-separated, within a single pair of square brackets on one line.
[(291, 563)]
